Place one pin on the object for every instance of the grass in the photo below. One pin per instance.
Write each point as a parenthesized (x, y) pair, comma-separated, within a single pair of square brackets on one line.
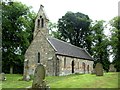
[(13, 81), (109, 80)]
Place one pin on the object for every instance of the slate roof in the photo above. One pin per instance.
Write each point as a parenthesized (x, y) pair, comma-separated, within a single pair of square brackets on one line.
[(67, 49)]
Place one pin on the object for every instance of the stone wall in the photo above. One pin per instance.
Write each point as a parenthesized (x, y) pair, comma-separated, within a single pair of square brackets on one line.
[(41, 45), (78, 65)]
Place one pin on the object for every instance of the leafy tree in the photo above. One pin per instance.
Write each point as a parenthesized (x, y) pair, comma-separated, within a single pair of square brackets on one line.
[(17, 28), (74, 28), (100, 44), (53, 30), (115, 41)]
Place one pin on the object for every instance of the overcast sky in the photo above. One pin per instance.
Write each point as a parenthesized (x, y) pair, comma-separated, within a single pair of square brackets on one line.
[(95, 9)]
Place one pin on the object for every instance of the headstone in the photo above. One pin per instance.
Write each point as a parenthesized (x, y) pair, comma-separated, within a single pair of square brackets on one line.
[(99, 69), (26, 68), (112, 68), (39, 76), (2, 77)]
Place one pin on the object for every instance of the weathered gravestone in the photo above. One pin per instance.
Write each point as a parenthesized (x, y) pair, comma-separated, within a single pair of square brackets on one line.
[(99, 69), (39, 76), (112, 68), (26, 76), (2, 77)]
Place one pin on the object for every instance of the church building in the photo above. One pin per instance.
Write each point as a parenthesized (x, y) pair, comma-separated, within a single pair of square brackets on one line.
[(58, 57)]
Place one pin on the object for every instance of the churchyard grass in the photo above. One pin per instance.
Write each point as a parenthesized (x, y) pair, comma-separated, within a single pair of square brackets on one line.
[(14, 81), (109, 80), (0, 85)]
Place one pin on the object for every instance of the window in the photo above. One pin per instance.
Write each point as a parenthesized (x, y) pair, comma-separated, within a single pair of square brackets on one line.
[(38, 57), (83, 65), (38, 23), (40, 16), (88, 68), (65, 62), (78, 65), (42, 22)]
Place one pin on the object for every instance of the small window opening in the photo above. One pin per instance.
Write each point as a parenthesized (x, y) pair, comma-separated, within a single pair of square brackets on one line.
[(78, 65), (42, 22), (38, 24), (65, 62), (38, 57), (40, 16)]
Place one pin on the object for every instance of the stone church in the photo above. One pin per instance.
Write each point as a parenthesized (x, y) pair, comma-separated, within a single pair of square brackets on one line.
[(58, 57)]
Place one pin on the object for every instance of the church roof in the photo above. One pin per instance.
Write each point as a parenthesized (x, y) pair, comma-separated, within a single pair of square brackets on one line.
[(67, 49)]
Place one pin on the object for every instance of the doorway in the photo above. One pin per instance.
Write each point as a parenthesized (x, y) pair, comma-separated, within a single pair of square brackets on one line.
[(73, 66)]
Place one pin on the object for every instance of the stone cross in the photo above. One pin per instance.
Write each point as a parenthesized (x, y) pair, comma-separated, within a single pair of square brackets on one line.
[(39, 76), (112, 68), (99, 69)]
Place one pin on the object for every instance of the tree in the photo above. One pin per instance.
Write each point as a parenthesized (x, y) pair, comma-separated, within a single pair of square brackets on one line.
[(17, 28), (115, 41), (100, 44), (74, 28)]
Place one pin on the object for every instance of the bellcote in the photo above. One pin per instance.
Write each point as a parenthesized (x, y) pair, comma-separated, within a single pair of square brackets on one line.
[(41, 22)]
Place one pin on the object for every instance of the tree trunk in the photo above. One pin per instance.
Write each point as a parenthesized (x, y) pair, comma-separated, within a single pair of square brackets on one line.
[(11, 69)]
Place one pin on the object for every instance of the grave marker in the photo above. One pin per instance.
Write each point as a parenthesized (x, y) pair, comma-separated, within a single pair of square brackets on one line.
[(112, 68), (2, 77), (39, 76), (99, 69)]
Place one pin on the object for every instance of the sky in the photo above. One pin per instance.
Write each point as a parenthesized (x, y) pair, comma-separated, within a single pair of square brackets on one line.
[(95, 9)]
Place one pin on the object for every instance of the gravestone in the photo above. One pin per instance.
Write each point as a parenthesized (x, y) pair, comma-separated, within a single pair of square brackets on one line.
[(99, 69), (39, 76), (112, 68), (2, 77), (26, 74)]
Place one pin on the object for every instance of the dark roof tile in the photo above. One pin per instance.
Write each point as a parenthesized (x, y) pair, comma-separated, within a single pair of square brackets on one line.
[(67, 49)]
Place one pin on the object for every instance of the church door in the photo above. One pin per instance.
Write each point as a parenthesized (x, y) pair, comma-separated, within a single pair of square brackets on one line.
[(73, 66)]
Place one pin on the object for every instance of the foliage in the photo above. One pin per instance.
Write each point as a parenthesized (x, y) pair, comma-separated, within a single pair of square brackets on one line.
[(115, 41), (100, 44), (109, 80), (74, 28), (80, 31), (17, 28)]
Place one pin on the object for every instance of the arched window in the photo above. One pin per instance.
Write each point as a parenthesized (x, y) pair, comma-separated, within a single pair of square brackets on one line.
[(88, 68), (78, 65), (83, 65), (42, 22), (65, 62), (38, 23), (38, 57)]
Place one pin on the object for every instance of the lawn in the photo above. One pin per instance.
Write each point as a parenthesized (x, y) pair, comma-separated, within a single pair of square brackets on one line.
[(109, 80)]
